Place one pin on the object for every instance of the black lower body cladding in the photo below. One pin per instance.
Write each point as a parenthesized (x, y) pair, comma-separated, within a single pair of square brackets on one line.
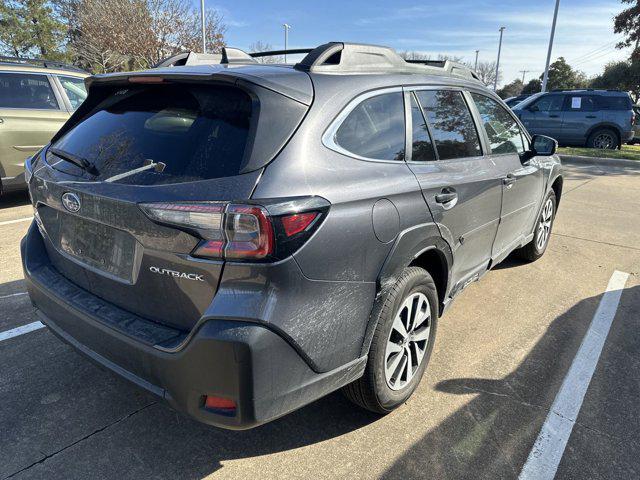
[(260, 368)]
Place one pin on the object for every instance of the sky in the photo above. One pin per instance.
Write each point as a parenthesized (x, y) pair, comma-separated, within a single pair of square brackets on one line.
[(584, 34)]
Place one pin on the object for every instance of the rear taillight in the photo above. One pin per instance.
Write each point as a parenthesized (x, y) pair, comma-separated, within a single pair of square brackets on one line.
[(241, 231)]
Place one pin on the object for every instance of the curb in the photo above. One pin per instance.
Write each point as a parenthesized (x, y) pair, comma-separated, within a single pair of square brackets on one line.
[(611, 162)]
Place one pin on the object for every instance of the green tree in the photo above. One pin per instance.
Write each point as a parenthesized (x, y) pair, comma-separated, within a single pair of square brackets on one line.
[(563, 77), (533, 86), (511, 89), (31, 28), (627, 23), (623, 76)]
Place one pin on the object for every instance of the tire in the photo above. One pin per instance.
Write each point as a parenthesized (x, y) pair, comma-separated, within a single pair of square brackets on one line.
[(603, 138), (536, 247), (374, 391)]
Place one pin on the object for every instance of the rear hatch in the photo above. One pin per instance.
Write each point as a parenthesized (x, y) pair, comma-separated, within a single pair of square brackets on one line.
[(153, 140)]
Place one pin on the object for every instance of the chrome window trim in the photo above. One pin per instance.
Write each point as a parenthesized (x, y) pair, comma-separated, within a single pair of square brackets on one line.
[(328, 137)]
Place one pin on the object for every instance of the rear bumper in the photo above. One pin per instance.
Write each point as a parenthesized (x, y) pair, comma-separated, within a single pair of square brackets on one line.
[(238, 360)]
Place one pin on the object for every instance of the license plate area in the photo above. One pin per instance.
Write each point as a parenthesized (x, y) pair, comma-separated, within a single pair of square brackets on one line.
[(100, 247)]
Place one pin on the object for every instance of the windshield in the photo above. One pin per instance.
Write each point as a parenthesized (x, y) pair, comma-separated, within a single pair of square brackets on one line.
[(198, 132)]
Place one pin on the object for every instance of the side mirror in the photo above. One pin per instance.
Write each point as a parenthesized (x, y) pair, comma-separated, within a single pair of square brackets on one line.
[(543, 146), (533, 108)]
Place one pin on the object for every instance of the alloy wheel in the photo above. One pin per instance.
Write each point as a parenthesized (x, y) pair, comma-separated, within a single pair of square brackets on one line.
[(604, 141), (544, 226), (407, 341)]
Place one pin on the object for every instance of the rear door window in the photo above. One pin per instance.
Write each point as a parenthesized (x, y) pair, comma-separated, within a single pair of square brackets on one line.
[(375, 128), (22, 90), (503, 131), (580, 103), (452, 126), (198, 132)]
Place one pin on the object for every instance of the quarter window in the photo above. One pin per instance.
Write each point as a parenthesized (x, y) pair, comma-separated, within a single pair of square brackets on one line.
[(421, 146), (503, 131), (75, 90), (452, 127), (18, 90), (375, 128)]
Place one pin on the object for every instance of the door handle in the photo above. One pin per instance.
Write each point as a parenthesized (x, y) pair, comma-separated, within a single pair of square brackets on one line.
[(509, 180), (591, 116), (554, 116), (448, 198)]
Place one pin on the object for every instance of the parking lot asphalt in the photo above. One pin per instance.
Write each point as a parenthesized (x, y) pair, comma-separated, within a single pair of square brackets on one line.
[(501, 355)]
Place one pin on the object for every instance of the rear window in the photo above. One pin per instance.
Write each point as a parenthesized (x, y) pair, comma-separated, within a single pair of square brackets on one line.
[(375, 128), (198, 132), (614, 102), (23, 90)]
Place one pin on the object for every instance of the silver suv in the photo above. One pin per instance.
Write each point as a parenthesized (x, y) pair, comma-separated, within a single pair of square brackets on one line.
[(241, 239), (591, 118)]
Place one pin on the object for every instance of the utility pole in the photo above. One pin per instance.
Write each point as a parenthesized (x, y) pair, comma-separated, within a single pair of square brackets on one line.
[(545, 79), (286, 38), (495, 83), (204, 36), (476, 67), (524, 72)]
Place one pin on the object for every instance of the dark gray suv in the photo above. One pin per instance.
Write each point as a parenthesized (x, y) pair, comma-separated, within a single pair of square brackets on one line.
[(241, 239), (592, 118)]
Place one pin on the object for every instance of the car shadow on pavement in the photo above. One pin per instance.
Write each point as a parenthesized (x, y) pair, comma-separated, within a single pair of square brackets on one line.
[(491, 436)]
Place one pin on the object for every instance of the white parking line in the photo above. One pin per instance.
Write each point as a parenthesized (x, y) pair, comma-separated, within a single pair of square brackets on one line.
[(9, 222), (14, 332), (13, 295), (548, 449)]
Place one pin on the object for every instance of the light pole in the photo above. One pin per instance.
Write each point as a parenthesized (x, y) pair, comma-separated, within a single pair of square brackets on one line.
[(553, 32), (476, 67), (524, 72), (495, 83), (286, 38), (204, 37)]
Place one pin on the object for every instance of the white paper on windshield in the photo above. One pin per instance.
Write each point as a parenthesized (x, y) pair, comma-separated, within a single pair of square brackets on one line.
[(576, 102)]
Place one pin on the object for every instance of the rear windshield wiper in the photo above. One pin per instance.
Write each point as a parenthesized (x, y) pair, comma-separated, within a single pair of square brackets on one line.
[(83, 163)]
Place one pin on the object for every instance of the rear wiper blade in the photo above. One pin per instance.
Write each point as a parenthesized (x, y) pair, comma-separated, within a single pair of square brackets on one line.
[(83, 163), (147, 165)]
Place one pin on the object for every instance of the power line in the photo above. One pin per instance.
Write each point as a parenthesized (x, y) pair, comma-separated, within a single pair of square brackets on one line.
[(606, 46), (524, 72), (595, 57)]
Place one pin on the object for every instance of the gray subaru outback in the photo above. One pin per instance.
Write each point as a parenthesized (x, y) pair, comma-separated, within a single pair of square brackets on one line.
[(242, 239)]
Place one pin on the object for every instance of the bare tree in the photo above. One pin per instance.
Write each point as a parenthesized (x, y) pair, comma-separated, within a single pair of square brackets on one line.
[(265, 47), (413, 55), (487, 73), (132, 34)]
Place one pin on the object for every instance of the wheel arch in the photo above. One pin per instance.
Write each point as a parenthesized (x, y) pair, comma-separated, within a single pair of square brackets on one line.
[(605, 126), (421, 246), (556, 186)]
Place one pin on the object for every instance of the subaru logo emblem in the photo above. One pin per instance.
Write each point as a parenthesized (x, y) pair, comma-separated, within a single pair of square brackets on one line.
[(71, 202)]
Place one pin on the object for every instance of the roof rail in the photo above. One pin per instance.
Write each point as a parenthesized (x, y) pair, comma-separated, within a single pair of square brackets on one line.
[(333, 57), (273, 53), (228, 56), (338, 57), (39, 63)]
